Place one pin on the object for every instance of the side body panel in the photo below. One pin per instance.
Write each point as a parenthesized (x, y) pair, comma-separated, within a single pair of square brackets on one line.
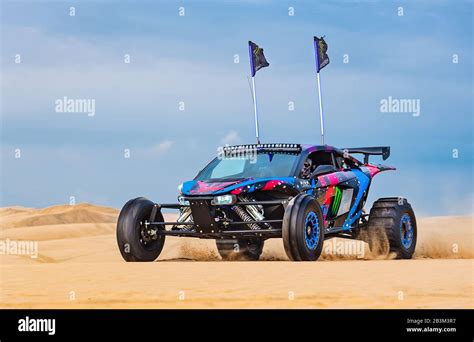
[(342, 194)]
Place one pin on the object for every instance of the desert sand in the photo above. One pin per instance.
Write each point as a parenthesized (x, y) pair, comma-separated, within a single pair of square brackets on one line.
[(78, 265)]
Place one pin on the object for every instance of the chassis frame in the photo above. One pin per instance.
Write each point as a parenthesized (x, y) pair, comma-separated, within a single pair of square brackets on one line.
[(205, 227)]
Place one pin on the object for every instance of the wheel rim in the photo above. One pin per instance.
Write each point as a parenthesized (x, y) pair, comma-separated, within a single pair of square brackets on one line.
[(406, 231), (144, 238), (311, 227)]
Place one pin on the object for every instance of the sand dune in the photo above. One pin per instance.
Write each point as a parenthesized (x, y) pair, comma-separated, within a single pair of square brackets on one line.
[(77, 253), (61, 214)]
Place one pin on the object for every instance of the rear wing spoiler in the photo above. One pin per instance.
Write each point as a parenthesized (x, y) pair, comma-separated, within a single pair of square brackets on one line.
[(383, 151)]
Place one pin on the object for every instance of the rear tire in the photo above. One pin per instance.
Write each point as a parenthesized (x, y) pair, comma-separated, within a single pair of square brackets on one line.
[(391, 228), (241, 249), (303, 229), (134, 244)]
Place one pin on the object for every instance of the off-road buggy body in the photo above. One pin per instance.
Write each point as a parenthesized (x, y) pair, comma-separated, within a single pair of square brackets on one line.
[(250, 193)]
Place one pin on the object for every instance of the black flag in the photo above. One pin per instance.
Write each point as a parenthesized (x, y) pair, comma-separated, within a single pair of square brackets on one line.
[(257, 58), (321, 49)]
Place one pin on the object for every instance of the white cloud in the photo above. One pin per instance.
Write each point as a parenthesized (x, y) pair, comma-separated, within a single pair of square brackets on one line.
[(161, 148), (231, 138)]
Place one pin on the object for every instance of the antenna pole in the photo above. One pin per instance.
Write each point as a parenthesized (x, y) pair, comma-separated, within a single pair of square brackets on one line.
[(254, 94), (321, 115), (318, 69)]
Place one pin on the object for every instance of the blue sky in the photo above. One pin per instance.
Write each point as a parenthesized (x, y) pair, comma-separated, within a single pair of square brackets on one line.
[(191, 59)]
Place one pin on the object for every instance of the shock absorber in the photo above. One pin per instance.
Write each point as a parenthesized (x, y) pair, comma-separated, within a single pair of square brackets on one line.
[(242, 213), (184, 217), (255, 211)]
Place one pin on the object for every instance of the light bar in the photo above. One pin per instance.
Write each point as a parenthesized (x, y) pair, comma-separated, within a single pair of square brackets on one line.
[(288, 148)]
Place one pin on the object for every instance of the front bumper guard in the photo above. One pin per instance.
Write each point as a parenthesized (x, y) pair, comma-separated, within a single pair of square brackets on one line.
[(204, 224)]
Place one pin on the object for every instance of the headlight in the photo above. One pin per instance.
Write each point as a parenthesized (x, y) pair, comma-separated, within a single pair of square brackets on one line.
[(224, 200)]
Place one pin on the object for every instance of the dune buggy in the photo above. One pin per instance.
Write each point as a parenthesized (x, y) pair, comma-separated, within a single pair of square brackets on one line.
[(250, 193)]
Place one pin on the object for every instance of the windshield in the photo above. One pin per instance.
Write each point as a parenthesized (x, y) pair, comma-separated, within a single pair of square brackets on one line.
[(262, 165)]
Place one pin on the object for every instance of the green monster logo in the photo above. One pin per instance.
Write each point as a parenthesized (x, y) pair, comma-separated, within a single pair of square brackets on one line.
[(337, 200)]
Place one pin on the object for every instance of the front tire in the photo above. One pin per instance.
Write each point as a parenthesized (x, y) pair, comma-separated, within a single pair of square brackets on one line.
[(133, 237), (391, 228), (303, 229)]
